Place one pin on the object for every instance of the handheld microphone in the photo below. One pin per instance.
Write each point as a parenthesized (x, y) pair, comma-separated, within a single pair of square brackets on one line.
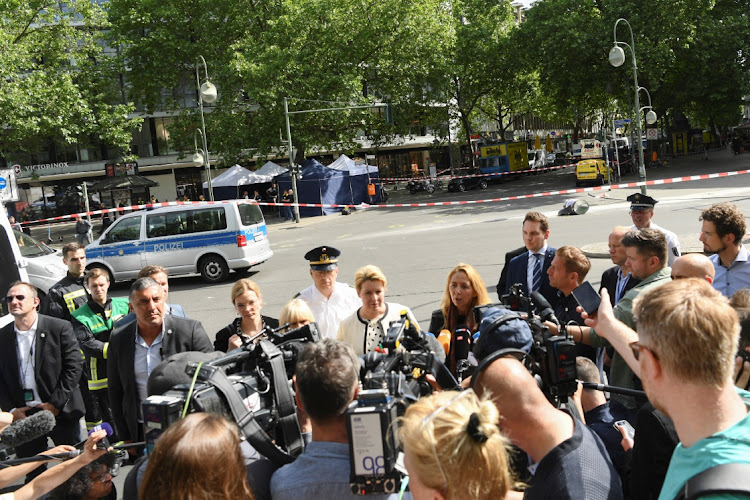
[(32, 427), (462, 343), (104, 426), (445, 340), (545, 309)]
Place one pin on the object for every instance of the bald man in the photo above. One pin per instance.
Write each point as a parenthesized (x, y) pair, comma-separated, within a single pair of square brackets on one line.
[(571, 461), (693, 265)]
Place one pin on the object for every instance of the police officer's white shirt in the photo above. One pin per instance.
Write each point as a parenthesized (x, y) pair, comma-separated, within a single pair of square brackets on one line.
[(328, 312), (673, 244)]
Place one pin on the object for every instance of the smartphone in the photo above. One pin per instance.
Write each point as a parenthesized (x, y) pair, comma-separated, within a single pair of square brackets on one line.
[(587, 298), (628, 428)]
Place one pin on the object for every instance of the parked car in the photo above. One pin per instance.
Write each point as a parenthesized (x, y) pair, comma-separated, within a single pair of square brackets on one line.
[(465, 183), (209, 240), (44, 265), (594, 171), (424, 183)]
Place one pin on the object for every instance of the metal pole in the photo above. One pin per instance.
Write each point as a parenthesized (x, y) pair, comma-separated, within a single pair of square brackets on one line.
[(206, 161), (292, 169), (450, 146)]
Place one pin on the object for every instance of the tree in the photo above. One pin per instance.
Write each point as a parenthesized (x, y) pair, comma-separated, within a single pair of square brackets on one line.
[(56, 84)]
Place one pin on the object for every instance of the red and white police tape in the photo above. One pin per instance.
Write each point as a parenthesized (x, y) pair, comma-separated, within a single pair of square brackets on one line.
[(658, 182)]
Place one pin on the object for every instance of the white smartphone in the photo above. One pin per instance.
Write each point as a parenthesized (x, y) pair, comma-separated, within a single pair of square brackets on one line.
[(629, 428)]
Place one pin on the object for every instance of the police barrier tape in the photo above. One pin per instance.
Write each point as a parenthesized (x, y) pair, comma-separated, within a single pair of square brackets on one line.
[(657, 182)]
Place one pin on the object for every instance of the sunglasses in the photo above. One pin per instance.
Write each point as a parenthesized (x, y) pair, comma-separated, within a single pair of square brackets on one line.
[(10, 298), (636, 348)]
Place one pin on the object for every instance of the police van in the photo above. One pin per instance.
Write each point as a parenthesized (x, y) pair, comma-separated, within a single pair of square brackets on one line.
[(209, 239)]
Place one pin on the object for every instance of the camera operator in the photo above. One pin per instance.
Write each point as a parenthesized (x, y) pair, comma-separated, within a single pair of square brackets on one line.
[(684, 353), (646, 252), (570, 461), (327, 380)]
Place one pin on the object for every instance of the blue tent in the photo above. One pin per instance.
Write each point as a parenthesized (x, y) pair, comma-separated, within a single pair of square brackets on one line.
[(327, 186)]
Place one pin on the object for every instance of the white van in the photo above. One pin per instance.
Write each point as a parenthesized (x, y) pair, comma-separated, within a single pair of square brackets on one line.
[(11, 263), (209, 239)]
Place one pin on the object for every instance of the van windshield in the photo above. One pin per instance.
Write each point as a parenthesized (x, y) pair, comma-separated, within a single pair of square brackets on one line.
[(250, 214)]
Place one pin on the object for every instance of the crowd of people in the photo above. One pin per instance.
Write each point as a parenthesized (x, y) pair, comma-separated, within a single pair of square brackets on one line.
[(665, 328)]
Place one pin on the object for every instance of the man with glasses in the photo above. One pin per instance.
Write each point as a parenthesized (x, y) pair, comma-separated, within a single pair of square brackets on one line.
[(722, 233), (329, 301), (684, 353), (641, 212), (40, 366), (326, 381)]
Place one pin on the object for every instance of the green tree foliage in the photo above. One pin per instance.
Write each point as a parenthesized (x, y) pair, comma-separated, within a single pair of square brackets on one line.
[(56, 84)]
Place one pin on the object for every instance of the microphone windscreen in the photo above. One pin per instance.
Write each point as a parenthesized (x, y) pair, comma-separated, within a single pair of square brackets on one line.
[(104, 426), (435, 346), (30, 428)]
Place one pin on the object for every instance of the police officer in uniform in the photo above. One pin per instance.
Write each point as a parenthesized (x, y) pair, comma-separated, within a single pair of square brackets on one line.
[(641, 212), (329, 301)]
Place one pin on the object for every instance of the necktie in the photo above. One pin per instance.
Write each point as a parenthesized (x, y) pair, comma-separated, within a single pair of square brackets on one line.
[(537, 282)]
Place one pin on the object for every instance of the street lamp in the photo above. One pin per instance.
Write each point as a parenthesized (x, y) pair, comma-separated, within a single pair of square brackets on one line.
[(651, 115), (617, 59), (208, 94)]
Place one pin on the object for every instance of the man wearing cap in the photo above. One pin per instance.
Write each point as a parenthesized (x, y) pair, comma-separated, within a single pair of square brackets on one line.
[(329, 301), (641, 212)]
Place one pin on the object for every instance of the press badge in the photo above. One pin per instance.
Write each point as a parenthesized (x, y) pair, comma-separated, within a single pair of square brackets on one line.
[(28, 395)]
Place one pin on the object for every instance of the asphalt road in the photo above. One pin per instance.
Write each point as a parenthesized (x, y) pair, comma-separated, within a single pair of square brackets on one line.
[(416, 247)]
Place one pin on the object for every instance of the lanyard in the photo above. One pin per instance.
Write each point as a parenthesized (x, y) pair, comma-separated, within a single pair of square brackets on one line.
[(29, 361)]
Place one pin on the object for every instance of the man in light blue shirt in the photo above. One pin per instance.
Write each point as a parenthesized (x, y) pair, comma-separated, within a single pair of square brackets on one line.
[(684, 353), (721, 234), (326, 381)]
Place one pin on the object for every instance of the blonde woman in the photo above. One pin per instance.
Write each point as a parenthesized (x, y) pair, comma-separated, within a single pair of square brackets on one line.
[(365, 329), (453, 448), (296, 313), (247, 301)]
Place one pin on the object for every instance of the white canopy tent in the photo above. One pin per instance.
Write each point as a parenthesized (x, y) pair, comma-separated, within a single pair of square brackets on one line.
[(345, 163), (237, 176)]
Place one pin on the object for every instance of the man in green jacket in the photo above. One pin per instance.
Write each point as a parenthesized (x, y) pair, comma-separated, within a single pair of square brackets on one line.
[(93, 323)]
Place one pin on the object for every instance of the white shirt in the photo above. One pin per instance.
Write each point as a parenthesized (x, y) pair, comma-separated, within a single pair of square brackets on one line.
[(673, 244), (146, 358), (531, 265), (26, 344), (328, 313)]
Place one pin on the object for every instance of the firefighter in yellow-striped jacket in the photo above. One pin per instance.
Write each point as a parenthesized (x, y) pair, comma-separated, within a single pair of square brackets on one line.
[(93, 323)]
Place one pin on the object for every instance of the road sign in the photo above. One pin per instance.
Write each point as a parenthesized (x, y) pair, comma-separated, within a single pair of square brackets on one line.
[(652, 134), (620, 123), (8, 187), (3, 183)]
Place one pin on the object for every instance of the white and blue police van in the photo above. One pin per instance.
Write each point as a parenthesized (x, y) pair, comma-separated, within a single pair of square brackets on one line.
[(206, 238)]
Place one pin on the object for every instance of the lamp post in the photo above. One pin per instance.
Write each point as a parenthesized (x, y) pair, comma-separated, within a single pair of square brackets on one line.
[(651, 115), (617, 59), (207, 93)]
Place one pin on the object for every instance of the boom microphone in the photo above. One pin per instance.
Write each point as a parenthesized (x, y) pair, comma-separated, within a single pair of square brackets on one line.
[(27, 429), (545, 309)]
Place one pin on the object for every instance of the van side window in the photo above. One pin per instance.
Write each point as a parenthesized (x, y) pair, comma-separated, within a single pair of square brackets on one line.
[(209, 219), (125, 230), (250, 214), (168, 224)]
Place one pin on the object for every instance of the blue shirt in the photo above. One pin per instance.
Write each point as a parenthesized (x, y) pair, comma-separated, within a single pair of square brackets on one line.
[(146, 358), (728, 446), (321, 471), (730, 279)]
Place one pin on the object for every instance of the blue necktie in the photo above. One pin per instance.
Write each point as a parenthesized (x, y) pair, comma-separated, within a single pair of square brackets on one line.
[(537, 281)]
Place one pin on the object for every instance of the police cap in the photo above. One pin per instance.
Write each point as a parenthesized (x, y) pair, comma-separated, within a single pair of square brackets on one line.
[(639, 200), (323, 258)]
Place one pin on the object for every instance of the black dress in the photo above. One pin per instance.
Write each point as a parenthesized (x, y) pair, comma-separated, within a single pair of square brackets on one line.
[(222, 338)]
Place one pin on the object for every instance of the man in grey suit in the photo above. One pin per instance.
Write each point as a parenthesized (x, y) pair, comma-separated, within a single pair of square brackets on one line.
[(138, 347), (40, 366)]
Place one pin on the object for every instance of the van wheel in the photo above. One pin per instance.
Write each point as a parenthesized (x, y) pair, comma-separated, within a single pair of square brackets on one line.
[(213, 269), (483, 184), (600, 180), (109, 274), (461, 187)]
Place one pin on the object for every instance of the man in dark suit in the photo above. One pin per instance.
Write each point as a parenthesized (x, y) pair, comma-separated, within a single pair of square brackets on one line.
[(504, 273), (530, 268), (40, 366), (617, 279), (138, 347)]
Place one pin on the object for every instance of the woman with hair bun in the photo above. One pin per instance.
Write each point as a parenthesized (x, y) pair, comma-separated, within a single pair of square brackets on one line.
[(197, 458), (453, 448)]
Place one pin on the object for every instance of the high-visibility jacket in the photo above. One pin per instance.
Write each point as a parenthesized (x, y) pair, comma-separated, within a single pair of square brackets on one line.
[(93, 325)]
